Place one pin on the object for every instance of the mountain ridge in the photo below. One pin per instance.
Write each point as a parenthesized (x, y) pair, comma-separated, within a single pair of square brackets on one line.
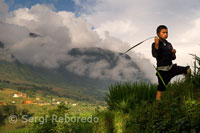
[(61, 77)]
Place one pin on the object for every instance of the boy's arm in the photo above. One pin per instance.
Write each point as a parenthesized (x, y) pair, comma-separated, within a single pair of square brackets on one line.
[(155, 47), (173, 53)]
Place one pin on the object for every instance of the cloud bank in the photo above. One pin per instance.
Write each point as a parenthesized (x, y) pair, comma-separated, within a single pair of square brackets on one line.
[(60, 32)]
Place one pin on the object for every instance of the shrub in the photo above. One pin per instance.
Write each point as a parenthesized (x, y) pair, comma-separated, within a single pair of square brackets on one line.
[(59, 124)]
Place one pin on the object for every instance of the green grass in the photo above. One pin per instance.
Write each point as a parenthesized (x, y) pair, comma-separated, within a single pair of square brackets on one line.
[(178, 110), (127, 95), (21, 130)]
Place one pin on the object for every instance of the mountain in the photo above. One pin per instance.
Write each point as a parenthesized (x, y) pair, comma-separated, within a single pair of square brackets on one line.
[(94, 55), (5, 53), (72, 84), (1, 45)]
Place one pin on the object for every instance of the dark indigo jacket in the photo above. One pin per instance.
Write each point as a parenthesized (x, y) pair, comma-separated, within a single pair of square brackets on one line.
[(163, 55)]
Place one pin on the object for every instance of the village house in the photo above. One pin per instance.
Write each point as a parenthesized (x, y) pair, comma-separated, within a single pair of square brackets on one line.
[(2, 103), (28, 102), (37, 98), (74, 104), (19, 95)]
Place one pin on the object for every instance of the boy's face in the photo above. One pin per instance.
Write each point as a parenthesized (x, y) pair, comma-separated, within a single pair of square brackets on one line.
[(163, 34)]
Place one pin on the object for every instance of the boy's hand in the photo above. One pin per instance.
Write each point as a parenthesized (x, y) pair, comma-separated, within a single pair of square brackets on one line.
[(173, 51), (156, 40)]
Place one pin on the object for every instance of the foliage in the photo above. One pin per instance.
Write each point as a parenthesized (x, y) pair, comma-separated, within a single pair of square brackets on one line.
[(8, 110), (51, 126), (166, 116), (56, 122), (126, 96)]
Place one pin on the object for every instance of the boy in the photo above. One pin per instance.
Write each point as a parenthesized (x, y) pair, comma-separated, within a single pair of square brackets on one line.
[(164, 53)]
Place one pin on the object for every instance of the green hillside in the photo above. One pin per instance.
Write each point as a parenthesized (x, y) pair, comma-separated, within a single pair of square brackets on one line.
[(27, 78), (40, 106)]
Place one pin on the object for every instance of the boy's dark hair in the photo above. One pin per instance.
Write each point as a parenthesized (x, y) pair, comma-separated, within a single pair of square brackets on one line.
[(160, 27)]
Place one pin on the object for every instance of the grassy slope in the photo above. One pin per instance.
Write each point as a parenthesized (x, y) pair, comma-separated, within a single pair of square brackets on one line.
[(178, 111)]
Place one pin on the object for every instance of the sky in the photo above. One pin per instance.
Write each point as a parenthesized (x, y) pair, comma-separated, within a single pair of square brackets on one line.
[(60, 5), (112, 24)]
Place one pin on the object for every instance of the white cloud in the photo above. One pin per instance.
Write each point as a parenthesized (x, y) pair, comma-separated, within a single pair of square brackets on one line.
[(192, 35), (3, 8), (123, 29), (61, 31)]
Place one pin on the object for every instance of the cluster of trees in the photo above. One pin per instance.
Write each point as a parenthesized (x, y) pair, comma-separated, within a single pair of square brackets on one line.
[(8, 110)]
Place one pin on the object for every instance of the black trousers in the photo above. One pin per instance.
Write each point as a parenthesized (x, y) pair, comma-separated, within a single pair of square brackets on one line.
[(168, 75)]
